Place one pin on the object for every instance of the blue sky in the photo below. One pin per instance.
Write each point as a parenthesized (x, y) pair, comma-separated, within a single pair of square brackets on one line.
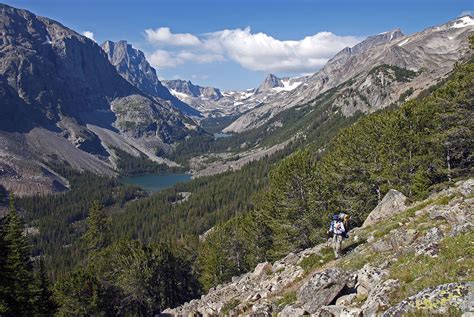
[(186, 39)]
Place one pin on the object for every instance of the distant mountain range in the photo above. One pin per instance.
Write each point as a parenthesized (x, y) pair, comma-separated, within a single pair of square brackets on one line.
[(431, 53), (212, 102), (66, 100)]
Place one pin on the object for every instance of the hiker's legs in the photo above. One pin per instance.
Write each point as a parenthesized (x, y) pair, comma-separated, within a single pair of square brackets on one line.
[(337, 245)]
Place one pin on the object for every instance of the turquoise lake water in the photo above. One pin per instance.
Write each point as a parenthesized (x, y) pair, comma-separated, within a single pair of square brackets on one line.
[(156, 182)]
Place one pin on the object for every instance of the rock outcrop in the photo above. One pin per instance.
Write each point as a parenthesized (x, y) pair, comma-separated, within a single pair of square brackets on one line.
[(391, 204)]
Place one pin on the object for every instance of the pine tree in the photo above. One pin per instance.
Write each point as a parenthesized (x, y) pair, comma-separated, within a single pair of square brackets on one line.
[(18, 266), (43, 302), (4, 275), (97, 235)]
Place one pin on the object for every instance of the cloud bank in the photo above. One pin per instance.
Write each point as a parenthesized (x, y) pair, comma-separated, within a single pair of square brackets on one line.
[(254, 51)]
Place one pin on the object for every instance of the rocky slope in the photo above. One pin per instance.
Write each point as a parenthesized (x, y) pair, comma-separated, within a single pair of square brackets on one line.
[(431, 53), (132, 65), (214, 103), (57, 89), (407, 258)]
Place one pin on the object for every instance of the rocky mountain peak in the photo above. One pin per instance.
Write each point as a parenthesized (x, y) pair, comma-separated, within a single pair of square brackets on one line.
[(375, 40), (192, 90), (271, 81)]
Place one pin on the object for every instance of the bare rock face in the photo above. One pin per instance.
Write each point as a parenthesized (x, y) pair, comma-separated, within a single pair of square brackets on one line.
[(321, 289), (392, 203)]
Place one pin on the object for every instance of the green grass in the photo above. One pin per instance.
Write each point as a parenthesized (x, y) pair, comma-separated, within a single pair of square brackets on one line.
[(230, 305), (455, 263), (315, 261), (287, 299)]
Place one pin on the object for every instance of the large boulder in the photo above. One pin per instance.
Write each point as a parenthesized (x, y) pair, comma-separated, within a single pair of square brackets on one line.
[(392, 203), (291, 310), (437, 300), (321, 289), (368, 278), (262, 269), (379, 297)]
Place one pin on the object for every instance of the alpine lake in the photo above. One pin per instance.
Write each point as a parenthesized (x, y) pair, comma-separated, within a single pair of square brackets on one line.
[(156, 182)]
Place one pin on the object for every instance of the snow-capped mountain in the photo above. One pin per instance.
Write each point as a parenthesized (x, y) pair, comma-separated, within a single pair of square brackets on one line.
[(212, 102), (431, 53)]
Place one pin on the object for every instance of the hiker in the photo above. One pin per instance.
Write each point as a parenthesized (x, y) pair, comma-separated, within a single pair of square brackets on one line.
[(338, 231), (345, 220)]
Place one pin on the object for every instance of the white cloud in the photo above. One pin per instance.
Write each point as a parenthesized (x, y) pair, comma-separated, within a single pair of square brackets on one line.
[(464, 13), (89, 34), (163, 36), (202, 77), (164, 59), (254, 51)]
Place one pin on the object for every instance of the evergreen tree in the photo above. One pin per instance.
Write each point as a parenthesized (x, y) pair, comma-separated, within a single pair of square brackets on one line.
[(97, 235), (44, 304), (4, 274), (19, 287)]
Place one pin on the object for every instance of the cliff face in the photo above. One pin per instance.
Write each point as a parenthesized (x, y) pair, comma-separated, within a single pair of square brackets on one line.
[(58, 89), (408, 259)]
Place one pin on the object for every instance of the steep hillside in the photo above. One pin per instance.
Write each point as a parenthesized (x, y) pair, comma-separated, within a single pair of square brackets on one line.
[(62, 101), (413, 259), (431, 53)]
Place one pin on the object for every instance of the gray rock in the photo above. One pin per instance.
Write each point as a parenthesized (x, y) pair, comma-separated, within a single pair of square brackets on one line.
[(339, 311), (429, 243), (261, 269), (401, 237), (368, 278), (391, 204), (459, 213), (346, 300), (458, 229), (292, 311), (437, 300), (321, 289), (465, 188), (290, 259), (261, 310), (378, 298)]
